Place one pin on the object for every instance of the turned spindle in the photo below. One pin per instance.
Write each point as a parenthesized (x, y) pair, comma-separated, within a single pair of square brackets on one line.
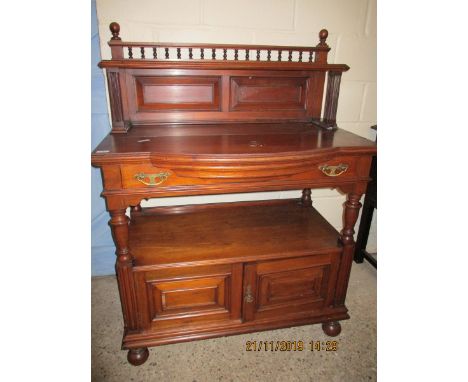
[(236, 54), (224, 54), (115, 30), (258, 55), (166, 52)]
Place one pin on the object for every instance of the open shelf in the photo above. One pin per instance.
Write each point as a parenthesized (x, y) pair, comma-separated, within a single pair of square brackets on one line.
[(228, 233)]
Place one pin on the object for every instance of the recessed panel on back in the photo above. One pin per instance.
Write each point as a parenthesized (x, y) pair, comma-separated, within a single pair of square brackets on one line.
[(268, 93), (159, 93)]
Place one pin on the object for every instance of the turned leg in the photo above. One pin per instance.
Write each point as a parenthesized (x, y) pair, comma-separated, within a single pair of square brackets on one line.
[(137, 356), (351, 213), (306, 199), (332, 328), (123, 267)]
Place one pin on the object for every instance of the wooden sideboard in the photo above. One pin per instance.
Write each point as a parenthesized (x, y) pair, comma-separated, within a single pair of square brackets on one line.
[(201, 119)]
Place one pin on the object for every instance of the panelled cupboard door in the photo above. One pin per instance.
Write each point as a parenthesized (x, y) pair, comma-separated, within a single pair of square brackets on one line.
[(189, 296), (290, 287)]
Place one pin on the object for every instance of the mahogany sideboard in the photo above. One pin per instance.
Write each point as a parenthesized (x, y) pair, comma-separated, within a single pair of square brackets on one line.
[(200, 119)]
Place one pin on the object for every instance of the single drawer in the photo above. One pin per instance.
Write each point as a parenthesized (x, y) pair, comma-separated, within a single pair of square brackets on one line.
[(325, 170)]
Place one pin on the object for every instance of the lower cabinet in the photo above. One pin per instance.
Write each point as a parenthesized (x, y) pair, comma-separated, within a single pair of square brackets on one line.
[(223, 295)]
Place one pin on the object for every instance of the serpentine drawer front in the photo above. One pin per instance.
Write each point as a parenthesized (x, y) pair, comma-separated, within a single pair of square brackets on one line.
[(149, 176)]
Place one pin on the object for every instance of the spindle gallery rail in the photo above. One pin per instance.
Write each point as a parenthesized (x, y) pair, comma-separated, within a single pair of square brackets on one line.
[(220, 52)]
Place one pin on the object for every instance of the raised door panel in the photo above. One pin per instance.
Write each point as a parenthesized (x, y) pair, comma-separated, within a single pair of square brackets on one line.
[(175, 297), (192, 296), (291, 287)]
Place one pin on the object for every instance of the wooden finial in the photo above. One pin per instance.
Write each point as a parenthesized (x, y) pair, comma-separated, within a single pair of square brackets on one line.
[(115, 29), (323, 37)]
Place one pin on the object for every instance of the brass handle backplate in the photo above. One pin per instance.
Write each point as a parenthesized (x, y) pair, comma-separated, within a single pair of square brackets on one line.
[(152, 179), (334, 170), (248, 297)]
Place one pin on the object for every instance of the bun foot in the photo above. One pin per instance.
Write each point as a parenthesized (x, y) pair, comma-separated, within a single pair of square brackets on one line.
[(332, 328), (138, 356)]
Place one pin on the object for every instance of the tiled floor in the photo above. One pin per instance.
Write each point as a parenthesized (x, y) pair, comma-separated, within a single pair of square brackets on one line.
[(226, 358)]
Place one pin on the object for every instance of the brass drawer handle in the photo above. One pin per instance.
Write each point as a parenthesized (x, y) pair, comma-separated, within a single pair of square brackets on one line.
[(334, 170), (248, 298), (154, 179)]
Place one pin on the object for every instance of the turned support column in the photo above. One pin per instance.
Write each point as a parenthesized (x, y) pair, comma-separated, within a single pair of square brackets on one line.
[(351, 213), (306, 199), (123, 269), (123, 266)]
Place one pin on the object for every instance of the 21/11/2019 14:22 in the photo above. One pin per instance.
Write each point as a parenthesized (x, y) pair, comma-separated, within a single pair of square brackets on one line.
[(291, 345)]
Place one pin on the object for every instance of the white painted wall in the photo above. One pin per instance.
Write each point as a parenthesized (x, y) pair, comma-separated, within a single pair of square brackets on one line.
[(352, 26)]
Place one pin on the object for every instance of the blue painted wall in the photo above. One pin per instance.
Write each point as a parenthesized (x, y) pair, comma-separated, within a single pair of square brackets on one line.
[(102, 246)]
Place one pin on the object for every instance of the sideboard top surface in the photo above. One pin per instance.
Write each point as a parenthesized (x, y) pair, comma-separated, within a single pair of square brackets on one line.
[(228, 140)]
